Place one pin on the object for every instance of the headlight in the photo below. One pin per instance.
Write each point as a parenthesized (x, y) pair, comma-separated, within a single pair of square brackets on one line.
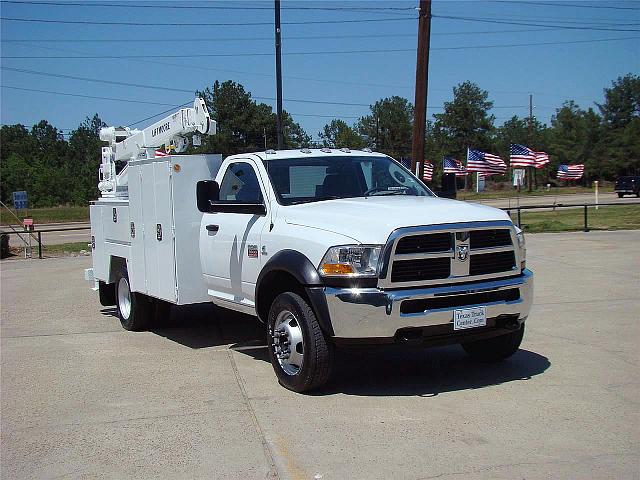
[(351, 261)]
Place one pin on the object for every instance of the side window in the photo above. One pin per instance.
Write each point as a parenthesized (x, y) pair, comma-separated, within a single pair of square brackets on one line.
[(240, 184)]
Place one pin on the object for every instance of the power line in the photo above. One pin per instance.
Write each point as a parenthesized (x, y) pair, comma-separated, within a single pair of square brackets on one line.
[(210, 7), (326, 52), (239, 39), (158, 114), (154, 87), (207, 24), (128, 100), (255, 97), (504, 22), (562, 4)]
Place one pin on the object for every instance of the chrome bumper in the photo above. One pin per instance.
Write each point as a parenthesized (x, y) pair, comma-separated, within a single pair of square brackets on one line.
[(371, 313)]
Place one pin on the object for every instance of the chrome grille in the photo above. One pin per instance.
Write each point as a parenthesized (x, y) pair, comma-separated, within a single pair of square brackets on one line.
[(451, 253), (421, 269), (490, 238), (491, 263), (434, 242)]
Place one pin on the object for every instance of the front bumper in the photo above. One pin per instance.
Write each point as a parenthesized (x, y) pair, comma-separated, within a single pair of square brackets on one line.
[(370, 313)]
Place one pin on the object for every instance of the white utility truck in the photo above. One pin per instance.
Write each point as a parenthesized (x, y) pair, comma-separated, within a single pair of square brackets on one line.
[(327, 247)]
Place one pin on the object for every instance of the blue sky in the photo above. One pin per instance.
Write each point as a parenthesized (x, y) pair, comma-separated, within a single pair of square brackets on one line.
[(552, 73)]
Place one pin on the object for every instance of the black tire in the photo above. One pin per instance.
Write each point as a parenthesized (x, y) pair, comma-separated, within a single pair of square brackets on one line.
[(620, 195), (107, 292), (495, 349), (137, 316), (317, 351)]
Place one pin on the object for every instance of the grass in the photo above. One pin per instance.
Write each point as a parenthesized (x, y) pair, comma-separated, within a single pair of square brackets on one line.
[(622, 217), (66, 248), (61, 250), (63, 214)]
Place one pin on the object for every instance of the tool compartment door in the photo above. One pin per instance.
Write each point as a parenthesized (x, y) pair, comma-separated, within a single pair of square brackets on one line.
[(159, 251)]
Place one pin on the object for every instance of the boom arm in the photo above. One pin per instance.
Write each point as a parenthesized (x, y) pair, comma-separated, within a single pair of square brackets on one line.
[(126, 144)]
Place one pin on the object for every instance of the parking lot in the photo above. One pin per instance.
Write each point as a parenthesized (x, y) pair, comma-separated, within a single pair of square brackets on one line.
[(197, 398)]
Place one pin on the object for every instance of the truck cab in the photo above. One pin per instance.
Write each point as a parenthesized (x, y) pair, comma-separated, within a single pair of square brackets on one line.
[(331, 247)]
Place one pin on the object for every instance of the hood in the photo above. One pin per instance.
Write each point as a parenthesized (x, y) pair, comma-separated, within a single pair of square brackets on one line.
[(371, 220)]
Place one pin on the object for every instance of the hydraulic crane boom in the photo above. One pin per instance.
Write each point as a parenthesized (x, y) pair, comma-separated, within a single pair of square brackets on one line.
[(127, 144)]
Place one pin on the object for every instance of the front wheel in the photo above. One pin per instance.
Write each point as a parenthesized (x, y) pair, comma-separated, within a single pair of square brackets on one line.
[(300, 354), (495, 349), (134, 309)]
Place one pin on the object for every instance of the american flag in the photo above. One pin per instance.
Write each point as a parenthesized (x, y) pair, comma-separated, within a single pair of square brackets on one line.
[(161, 153), (542, 158), (570, 172), (427, 172), (522, 156), (485, 163), (451, 165)]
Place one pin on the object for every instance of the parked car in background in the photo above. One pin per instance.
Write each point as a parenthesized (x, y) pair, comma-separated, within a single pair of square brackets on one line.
[(629, 185)]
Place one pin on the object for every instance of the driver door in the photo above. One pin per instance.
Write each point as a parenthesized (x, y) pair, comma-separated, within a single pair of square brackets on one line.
[(230, 242)]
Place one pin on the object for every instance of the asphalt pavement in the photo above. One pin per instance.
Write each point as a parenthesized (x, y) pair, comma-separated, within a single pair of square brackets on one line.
[(196, 398)]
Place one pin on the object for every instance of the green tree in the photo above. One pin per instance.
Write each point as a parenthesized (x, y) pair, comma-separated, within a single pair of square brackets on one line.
[(465, 121), (388, 128), (576, 138), (621, 121), (337, 134), (17, 148), (243, 124), (85, 157)]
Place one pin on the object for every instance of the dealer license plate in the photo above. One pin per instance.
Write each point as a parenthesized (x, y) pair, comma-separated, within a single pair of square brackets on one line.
[(469, 318)]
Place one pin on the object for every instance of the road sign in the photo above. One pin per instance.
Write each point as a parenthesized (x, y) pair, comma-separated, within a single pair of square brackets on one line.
[(20, 200)]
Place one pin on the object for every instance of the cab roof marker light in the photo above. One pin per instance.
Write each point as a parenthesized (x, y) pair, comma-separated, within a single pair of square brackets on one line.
[(325, 150), (305, 150), (270, 151), (345, 150)]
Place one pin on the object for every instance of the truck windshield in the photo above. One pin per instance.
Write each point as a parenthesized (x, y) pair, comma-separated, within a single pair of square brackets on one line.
[(312, 179)]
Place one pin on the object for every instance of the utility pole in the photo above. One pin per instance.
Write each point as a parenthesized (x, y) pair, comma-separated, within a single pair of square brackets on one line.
[(278, 77), (531, 169), (422, 80)]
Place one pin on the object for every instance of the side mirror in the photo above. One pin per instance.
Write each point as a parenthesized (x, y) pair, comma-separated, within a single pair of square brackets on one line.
[(207, 191)]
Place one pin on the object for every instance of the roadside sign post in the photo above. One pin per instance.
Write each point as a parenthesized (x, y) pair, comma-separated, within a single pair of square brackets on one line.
[(596, 182)]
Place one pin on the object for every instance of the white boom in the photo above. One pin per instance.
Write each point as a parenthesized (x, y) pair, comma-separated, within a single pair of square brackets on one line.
[(127, 144)]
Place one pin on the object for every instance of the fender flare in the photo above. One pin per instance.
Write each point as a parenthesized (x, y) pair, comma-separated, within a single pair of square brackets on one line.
[(295, 264), (299, 267)]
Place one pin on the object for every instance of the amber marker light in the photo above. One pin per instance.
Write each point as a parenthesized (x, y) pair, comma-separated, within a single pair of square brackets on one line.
[(336, 269)]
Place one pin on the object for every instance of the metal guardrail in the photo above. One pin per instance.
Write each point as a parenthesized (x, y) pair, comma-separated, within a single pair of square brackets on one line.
[(585, 206), (519, 209), (40, 232)]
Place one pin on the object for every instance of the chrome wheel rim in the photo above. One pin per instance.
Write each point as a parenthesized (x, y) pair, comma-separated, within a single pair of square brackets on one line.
[(124, 298), (288, 343)]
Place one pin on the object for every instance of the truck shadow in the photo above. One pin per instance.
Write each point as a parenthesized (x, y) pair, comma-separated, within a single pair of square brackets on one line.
[(424, 372), (205, 326), (372, 371)]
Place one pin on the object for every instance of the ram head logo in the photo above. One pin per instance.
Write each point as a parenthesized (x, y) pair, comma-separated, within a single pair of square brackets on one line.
[(463, 252)]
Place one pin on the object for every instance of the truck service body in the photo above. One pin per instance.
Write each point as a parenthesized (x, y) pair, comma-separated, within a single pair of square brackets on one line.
[(325, 246)]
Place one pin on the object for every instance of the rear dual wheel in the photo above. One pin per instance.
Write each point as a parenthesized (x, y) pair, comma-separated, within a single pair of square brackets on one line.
[(134, 309)]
